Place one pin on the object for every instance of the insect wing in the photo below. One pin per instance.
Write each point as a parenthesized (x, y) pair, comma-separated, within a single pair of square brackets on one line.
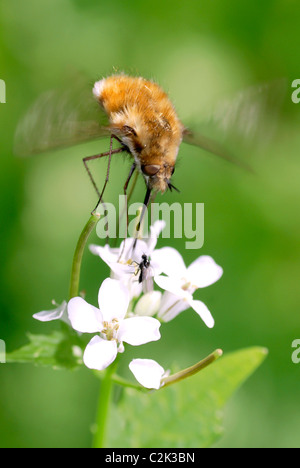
[(147, 279), (240, 125), (61, 118), (212, 146)]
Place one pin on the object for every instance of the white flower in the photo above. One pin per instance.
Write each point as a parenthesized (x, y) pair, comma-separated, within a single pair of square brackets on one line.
[(148, 304), (147, 372), (124, 261), (110, 323), (182, 282), (59, 313)]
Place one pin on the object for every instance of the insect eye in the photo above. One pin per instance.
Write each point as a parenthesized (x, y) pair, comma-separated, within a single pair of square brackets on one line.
[(129, 130), (150, 169)]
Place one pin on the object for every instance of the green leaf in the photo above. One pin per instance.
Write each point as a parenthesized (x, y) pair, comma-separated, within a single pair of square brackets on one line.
[(188, 414), (56, 350)]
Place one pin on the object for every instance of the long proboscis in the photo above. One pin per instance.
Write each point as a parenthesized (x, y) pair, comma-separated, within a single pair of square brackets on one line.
[(144, 209)]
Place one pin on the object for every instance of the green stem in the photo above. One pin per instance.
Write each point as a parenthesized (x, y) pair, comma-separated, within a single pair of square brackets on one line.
[(103, 406), (127, 384), (193, 369), (77, 259)]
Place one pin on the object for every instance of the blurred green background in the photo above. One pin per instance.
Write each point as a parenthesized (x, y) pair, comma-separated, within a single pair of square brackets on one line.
[(198, 51)]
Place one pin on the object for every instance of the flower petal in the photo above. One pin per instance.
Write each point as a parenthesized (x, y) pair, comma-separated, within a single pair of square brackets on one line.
[(170, 261), (54, 314), (147, 372), (171, 306), (131, 250), (148, 304), (139, 330), (157, 227), (84, 317), (122, 271), (125, 250), (173, 285), (106, 253), (134, 287), (155, 231), (203, 312), (113, 299), (111, 257), (156, 268), (140, 249), (99, 353), (204, 271)]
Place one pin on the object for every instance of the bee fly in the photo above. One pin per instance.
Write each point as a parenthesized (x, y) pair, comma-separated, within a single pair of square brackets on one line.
[(133, 111), (143, 119)]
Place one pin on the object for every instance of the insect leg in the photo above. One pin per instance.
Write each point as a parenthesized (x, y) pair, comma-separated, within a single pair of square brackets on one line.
[(107, 172), (133, 167), (98, 156)]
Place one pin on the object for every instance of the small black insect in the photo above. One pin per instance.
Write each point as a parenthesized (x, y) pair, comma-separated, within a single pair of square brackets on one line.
[(143, 267), (145, 273)]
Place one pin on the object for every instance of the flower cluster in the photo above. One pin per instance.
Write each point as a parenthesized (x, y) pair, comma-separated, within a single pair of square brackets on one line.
[(130, 309)]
